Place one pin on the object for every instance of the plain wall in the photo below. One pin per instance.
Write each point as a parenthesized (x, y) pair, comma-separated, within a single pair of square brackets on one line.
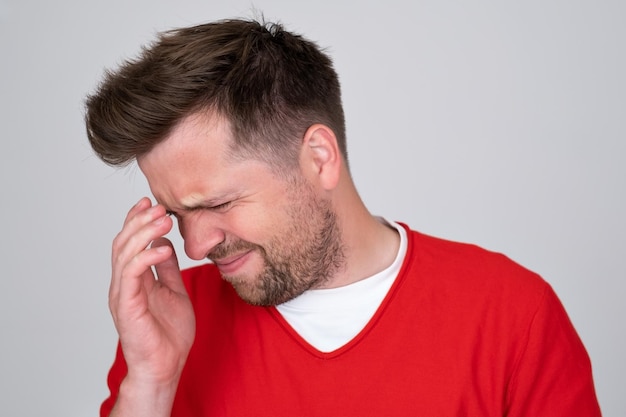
[(497, 123)]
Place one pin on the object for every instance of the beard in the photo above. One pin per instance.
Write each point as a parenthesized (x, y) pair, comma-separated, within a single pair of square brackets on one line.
[(305, 254)]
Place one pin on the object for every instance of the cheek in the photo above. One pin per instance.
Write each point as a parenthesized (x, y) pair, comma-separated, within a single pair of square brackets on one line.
[(255, 226)]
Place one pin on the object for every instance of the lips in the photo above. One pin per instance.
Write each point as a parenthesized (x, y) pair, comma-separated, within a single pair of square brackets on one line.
[(231, 264)]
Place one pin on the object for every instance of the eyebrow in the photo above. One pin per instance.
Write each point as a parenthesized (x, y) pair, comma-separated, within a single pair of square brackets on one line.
[(196, 202), (192, 201), (198, 206), (204, 204)]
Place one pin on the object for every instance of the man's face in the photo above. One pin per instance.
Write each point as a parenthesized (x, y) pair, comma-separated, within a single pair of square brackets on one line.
[(272, 238)]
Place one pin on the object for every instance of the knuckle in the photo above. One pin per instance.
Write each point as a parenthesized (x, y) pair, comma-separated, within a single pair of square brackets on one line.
[(118, 243)]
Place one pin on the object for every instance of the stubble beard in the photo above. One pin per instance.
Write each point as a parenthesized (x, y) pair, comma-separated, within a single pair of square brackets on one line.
[(307, 254)]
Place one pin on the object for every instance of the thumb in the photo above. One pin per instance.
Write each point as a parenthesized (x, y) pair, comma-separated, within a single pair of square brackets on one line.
[(168, 271)]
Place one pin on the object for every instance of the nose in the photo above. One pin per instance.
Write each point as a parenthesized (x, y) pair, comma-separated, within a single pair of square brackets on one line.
[(200, 234)]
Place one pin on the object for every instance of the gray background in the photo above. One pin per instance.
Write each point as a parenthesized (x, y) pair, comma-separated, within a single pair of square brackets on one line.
[(499, 123)]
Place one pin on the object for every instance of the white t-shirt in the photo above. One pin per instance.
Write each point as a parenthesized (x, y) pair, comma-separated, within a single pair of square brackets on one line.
[(329, 318)]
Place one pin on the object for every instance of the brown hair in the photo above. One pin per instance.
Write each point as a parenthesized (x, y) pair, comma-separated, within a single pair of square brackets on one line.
[(270, 84)]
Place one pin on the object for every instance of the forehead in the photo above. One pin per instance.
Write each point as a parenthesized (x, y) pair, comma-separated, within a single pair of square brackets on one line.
[(195, 165), (196, 149), (196, 135)]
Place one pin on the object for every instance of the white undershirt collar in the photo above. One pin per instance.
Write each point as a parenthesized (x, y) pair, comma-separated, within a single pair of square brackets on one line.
[(329, 318)]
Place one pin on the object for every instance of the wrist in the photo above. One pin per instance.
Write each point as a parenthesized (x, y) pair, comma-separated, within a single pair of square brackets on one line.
[(139, 397)]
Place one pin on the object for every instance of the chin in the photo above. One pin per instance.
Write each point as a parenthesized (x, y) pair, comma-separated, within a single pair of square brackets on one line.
[(256, 296), (249, 293)]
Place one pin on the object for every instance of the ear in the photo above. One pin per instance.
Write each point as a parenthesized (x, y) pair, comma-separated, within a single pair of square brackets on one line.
[(321, 159)]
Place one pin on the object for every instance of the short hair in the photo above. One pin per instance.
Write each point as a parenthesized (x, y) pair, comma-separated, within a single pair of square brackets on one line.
[(270, 84)]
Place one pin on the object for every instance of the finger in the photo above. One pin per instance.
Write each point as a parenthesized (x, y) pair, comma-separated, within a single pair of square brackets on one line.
[(136, 282), (138, 218), (127, 247), (141, 205), (168, 271), (131, 300), (143, 229)]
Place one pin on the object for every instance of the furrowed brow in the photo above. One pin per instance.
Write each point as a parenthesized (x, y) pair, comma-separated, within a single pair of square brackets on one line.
[(204, 204)]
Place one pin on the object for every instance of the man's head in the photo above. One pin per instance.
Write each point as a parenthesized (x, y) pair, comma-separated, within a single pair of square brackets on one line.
[(271, 236), (239, 130), (271, 85)]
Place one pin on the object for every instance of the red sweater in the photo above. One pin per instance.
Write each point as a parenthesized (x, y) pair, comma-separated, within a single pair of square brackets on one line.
[(462, 332)]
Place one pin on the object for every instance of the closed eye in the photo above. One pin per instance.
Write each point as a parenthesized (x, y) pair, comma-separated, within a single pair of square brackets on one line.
[(221, 207), (217, 207)]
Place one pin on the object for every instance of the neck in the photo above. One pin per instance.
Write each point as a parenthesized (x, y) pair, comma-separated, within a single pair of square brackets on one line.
[(370, 246)]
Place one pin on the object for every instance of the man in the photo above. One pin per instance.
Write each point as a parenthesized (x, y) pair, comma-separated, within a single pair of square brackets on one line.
[(311, 306)]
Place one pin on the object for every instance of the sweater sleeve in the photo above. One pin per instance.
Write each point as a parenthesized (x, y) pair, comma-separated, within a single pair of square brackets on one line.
[(552, 376), (116, 374)]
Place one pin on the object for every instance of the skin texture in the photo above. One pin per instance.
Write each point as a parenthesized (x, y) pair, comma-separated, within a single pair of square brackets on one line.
[(246, 212), (150, 315), (272, 237)]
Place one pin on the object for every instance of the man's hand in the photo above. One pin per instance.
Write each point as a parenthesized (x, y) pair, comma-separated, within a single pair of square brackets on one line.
[(153, 315)]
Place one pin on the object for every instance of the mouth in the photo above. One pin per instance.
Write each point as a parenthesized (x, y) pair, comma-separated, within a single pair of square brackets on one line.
[(231, 264)]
